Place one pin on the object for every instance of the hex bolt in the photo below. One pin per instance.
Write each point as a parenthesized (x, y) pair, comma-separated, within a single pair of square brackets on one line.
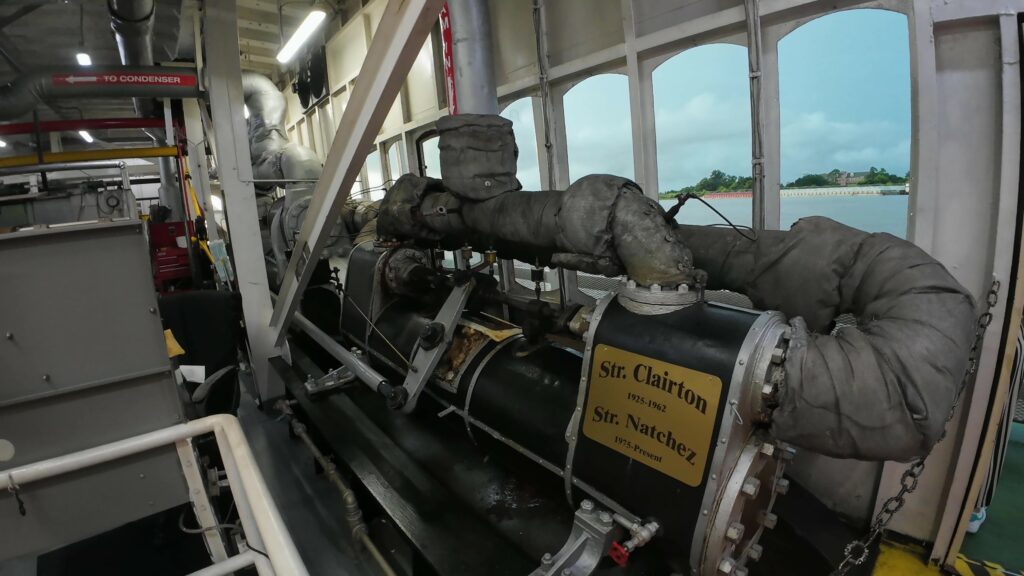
[(726, 566), (740, 571), (9, 335), (546, 558), (778, 355), (768, 520), (152, 310), (767, 390), (788, 452), (734, 533), (46, 377), (587, 505), (751, 486), (605, 517), (767, 448), (754, 552), (782, 486), (567, 572)]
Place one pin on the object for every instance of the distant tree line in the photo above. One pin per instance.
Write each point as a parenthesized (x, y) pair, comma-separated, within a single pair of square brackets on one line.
[(719, 181)]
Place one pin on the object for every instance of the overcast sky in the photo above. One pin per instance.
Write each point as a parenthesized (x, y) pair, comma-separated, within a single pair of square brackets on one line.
[(844, 97)]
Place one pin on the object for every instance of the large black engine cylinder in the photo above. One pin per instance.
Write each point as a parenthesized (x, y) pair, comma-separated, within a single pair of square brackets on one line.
[(654, 421)]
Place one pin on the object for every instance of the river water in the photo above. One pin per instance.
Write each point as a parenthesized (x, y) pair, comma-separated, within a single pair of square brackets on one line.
[(868, 213)]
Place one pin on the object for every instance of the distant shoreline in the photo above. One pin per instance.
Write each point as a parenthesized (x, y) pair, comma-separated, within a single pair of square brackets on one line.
[(898, 190)]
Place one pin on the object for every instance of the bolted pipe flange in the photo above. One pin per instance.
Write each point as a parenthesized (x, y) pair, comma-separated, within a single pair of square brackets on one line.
[(768, 520)]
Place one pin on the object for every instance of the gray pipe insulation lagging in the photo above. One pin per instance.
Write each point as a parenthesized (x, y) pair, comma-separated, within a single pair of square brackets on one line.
[(273, 156), (32, 88), (601, 224), (880, 390)]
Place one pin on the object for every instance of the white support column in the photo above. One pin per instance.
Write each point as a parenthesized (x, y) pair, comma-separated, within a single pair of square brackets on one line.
[(966, 483), (922, 205), (641, 109), (771, 124), (403, 28), (224, 82), (199, 172)]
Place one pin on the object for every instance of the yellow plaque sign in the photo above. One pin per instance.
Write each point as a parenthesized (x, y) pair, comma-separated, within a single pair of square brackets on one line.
[(657, 413)]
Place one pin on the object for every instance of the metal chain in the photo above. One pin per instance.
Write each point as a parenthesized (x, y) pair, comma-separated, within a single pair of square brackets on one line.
[(857, 551)]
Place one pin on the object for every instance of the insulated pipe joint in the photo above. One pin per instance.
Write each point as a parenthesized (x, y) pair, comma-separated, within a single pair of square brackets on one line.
[(879, 390)]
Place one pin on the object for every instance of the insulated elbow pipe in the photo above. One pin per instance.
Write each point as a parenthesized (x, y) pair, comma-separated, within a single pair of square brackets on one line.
[(880, 390), (273, 156), (601, 224)]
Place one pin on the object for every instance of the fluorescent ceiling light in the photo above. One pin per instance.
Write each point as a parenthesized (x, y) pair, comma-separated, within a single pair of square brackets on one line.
[(218, 204), (85, 135), (83, 59), (3, 144), (245, 111), (304, 31)]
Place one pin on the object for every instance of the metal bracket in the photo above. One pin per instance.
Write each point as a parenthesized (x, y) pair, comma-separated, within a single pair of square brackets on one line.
[(333, 380), (428, 353), (588, 542)]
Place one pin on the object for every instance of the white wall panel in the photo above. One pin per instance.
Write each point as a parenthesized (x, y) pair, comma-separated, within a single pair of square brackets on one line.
[(420, 85), (345, 53), (578, 29), (515, 44), (653, 15)]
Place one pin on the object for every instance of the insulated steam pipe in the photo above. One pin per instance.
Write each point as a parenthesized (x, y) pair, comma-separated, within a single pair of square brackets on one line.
[(31, 89), (880, 390)]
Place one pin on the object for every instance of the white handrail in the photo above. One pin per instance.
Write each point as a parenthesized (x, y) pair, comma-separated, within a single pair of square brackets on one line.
[(260, 517)]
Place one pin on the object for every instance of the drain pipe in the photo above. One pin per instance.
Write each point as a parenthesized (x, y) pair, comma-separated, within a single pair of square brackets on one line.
[(353, 515)]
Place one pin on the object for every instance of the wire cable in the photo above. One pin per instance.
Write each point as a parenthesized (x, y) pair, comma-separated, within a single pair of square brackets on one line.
[(739, 229)]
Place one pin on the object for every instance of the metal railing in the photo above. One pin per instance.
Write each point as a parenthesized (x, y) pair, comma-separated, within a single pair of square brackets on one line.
[(272, 550)]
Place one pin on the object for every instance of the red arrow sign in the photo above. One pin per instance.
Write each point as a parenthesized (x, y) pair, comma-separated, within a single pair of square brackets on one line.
[(125, 78)]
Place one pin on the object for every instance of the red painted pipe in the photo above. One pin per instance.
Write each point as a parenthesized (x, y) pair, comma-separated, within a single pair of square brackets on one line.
[(84, 124)]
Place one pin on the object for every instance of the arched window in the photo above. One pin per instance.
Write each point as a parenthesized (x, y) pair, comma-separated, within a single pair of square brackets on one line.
[(598, 129), (374, 177), (430, 157), (844, 92), (395, 165), (702, 121), (520, 113)]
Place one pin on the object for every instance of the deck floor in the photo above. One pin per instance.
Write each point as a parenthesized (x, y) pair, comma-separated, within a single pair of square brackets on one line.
[(999, 539)]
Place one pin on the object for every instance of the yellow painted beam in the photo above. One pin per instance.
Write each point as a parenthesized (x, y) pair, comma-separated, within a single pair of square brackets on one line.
[(908, 560), (89, 155)]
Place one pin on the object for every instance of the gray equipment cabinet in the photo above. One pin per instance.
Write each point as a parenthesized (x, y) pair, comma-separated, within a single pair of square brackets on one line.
[(82, 363)]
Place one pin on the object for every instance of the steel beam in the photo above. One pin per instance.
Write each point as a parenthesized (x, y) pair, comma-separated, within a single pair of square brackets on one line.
[(403, 29), (86, 155), (224, 85)]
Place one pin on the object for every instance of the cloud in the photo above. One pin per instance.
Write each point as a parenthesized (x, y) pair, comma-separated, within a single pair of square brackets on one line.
[(812, 142)]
